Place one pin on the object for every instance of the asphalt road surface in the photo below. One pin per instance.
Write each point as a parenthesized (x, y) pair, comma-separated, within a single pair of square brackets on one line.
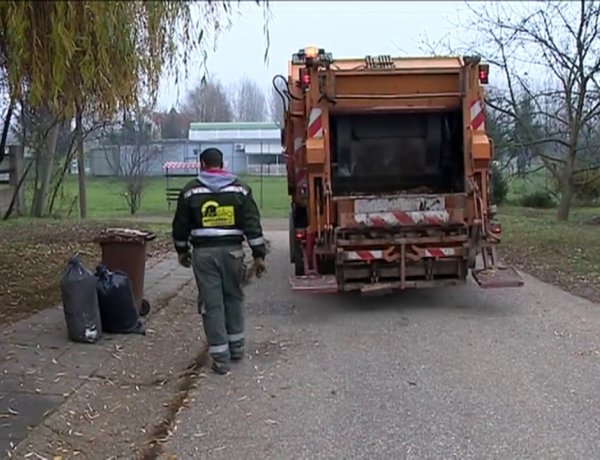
[(435, 374)]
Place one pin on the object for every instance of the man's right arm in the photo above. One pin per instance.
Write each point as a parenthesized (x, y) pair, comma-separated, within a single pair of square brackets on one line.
[(181, 226)]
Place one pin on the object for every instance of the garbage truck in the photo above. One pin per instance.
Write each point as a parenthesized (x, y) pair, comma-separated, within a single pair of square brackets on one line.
[(388, 173)]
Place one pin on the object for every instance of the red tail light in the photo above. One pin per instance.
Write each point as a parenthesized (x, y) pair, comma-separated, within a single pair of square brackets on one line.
[(484, 71), (495, 228), (300, 235), (306, 79)]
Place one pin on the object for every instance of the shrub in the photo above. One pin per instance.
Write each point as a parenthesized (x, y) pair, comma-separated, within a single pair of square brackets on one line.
[(498, 186), (587, 186), (539, 199)]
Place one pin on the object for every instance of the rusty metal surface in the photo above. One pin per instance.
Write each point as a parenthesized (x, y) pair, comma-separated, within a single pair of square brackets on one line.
[(317, 284), (372, 288), (400, 203), (505, 277)]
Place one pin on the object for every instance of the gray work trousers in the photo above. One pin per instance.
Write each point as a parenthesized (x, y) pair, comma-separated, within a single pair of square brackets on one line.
[(219, 274)]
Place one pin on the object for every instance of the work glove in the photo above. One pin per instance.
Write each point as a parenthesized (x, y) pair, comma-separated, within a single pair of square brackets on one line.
[(259, 266), (185, 259)]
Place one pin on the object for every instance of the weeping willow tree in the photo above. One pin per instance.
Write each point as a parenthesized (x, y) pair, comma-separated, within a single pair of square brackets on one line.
[(69, 57)]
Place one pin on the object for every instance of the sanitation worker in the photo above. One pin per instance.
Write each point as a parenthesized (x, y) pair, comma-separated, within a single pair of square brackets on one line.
[(214, 213)]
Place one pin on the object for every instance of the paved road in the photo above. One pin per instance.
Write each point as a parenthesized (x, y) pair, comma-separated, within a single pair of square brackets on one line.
[(452, 373)]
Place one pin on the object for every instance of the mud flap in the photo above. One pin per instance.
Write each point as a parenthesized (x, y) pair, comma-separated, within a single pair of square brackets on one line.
[(498, 277), (314, 284)]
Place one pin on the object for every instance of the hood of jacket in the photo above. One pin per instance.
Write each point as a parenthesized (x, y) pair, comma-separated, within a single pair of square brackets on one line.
[(216, 179)]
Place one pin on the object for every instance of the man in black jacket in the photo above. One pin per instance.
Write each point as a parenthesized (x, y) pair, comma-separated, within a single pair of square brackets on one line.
[(214, 213)]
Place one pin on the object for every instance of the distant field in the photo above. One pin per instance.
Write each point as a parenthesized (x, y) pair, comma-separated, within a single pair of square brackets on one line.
[(105, 196)]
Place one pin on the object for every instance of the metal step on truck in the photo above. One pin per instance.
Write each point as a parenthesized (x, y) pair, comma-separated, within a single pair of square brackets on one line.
[(388, 169)]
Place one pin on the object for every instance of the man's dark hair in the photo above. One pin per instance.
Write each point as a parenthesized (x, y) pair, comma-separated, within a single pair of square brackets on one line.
[(212, 158)]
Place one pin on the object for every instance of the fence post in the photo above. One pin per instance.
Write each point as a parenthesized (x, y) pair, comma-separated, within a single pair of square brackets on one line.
[(15, 162)]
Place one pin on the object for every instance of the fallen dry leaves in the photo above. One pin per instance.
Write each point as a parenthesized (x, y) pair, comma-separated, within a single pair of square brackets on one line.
[(33, 255)]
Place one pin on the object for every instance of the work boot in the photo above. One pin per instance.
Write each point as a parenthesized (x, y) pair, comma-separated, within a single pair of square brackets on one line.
[(236, 353), (220, 367)]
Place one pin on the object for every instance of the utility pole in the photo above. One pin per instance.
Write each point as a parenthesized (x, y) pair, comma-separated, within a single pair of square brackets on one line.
[(261, 174)]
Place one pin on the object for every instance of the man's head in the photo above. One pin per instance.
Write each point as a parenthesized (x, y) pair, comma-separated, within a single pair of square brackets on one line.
[(211, 159)]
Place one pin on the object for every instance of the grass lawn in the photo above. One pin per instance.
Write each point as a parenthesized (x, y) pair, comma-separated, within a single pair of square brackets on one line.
[(518, 186), (563, 253), (105, 199)]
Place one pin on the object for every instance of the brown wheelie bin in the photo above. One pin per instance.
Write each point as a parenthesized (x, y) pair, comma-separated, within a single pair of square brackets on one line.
[(124, 250)]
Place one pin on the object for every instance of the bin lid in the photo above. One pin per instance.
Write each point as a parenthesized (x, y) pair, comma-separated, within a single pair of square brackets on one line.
[(124, 235)]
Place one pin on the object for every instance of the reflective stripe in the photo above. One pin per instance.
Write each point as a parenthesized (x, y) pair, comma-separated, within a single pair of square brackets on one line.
[(228, 189), (216, 232), (235, 189), (213, 349), (196, 191), (181, 244), (236, 337), (256, 241)]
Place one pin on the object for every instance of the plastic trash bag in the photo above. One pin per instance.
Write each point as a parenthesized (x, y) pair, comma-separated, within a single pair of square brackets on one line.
[(117, 304), (80, 303)]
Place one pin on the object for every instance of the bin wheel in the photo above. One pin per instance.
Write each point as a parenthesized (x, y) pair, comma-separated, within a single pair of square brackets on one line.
[(145, 308)]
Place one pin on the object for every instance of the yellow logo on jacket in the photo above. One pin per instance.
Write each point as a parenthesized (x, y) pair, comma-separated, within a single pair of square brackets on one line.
[(215, 215)]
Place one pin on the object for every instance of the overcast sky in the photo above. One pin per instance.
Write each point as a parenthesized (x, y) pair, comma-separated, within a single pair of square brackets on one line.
[(346, 29)]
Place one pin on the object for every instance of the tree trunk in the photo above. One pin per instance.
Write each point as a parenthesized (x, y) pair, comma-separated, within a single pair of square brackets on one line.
[(61, 177), (5, 128), (567, 190), (80, 164), (19, 187), (17, 167), (45, 163)]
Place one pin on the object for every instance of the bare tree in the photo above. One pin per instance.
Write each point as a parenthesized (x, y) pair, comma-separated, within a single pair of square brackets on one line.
[(559, 41), (131, 156), (276, 107), (174, 125), (249, 102), (208, 102)]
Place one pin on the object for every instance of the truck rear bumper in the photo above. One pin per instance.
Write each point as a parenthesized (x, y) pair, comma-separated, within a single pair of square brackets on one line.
[(327, 284), (505, 277)]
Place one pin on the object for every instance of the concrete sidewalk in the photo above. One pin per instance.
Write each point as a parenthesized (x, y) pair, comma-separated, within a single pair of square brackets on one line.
[(40, 368)]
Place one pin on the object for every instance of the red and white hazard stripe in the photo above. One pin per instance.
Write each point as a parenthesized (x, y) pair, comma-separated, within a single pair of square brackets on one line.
[(377, 254), (438, 253), (315, 124), (398, 218), (181, 165), (300, 172), (477, 116), (363, 255)]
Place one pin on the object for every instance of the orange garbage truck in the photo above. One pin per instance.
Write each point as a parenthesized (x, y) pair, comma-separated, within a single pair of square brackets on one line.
[(388, 170)]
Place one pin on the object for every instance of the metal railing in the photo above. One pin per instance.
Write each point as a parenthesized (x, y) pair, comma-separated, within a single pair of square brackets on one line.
[(266, 170)]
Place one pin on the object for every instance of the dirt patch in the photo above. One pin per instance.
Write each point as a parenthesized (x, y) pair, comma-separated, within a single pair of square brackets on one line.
[(33, 254)]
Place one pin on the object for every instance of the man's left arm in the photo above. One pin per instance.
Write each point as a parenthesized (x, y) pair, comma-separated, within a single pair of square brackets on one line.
[(181, 226), (252, 227)]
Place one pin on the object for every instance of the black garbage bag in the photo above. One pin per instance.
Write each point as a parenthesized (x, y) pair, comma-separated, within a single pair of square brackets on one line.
[(80, 303), (117, 304)]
